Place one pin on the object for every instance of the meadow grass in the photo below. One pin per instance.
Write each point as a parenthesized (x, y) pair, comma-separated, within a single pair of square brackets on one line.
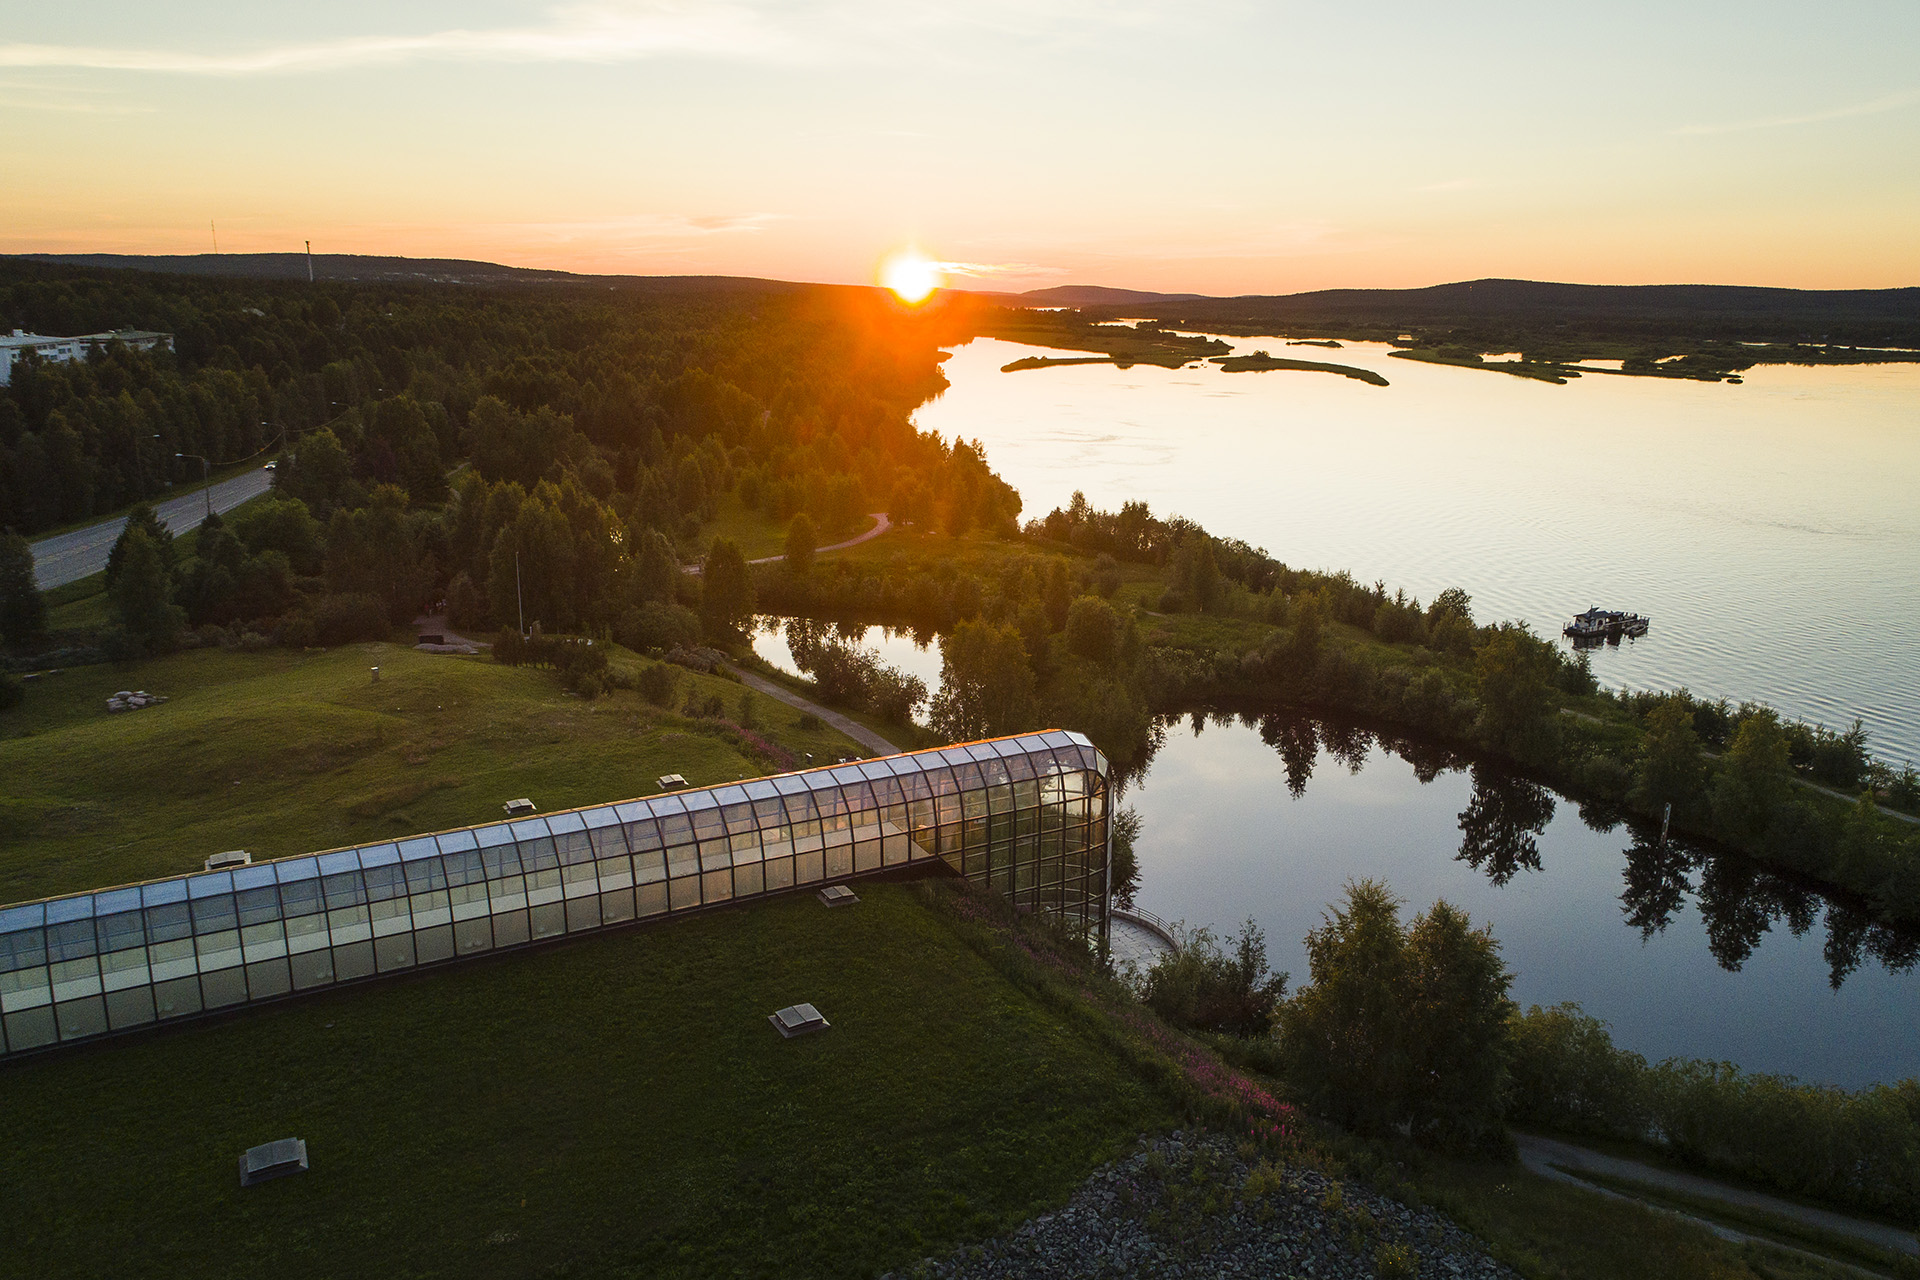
[(283, 752)]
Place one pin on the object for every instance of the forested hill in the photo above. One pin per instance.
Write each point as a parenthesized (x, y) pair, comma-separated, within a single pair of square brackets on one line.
[(379, 269), (1702, 311)]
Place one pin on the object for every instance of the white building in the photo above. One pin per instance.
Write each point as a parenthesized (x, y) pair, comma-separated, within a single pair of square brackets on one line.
[(13, 347)]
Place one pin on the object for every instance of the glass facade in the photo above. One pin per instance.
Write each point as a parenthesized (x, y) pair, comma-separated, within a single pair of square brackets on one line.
[(1025, 815)]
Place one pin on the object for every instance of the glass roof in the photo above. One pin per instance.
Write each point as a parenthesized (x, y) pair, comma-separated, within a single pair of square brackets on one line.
[(1038, 747)]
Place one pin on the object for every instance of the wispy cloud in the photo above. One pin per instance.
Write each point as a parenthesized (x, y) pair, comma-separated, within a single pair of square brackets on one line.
[(640, 231), (997, 270), (1890, 102), (1451, 184), (575, 34)]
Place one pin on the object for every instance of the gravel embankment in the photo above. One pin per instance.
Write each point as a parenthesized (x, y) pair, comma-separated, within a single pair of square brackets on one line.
[(1193, 1206)]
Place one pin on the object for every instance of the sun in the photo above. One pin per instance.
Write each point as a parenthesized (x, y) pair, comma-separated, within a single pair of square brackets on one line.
[(911, 275)]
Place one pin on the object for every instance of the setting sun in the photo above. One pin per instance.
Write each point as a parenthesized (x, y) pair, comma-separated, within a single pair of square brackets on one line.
[(910, 274)]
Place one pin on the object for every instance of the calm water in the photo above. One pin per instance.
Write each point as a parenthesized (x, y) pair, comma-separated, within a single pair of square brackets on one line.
[(898, 648), (1771, 530), (1685, 955)]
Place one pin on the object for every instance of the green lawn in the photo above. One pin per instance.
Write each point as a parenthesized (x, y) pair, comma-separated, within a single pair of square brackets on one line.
[(282, 752), (614, 1106)]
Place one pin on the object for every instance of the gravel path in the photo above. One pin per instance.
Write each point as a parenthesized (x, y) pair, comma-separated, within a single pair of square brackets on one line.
[(1192, 1206)]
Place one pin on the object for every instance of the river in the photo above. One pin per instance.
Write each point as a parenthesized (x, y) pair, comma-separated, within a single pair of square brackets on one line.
[(1771, 530)]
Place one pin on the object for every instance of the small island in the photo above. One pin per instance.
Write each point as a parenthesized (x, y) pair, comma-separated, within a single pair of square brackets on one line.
[(1261, 362)]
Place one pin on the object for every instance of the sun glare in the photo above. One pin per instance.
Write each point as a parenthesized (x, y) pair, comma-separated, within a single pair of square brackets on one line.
[(910, 274)]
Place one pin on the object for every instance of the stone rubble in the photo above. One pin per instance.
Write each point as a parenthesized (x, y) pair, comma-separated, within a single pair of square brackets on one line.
[(1190, 1205), (133, 700)]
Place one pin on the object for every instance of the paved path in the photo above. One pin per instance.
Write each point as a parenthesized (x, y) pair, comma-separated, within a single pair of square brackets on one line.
[(1564, 1162), (69, 557), (880, 525), (852, 728)]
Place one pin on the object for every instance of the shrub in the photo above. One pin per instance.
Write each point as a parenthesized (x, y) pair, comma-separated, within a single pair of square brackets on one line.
[(12, 692), (658, 682), (1203, 988), (342, 619), (657, 625)]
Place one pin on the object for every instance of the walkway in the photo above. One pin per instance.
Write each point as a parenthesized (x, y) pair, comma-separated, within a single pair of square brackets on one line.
[(852, 728), (880, 525), (69, 557), (1564, 1162)]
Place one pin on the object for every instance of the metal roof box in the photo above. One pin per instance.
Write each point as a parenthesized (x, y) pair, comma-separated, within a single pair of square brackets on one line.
[(231, 858), (518, 808), (798, 1020), (273, 1160), (838, 895)]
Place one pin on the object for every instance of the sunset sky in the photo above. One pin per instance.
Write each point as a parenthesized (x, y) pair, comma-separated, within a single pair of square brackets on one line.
[(1217, 148)]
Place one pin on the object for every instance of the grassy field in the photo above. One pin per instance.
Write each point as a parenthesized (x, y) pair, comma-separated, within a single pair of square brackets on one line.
[(282, 752), (617, 1106)]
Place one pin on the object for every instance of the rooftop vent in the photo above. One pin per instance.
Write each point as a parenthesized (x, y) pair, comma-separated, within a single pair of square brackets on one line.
[(518, 808), (798, 1020), (273, 1160), (671, 781), (231, 858), (838, 895)]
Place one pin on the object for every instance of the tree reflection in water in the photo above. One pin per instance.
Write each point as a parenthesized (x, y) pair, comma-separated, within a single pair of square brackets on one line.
[(1739, 902), (1500, 826)]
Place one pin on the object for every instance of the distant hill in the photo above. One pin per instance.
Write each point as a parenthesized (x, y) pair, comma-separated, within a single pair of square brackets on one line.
[(1726, 311), (368, 267), (1094, 295)]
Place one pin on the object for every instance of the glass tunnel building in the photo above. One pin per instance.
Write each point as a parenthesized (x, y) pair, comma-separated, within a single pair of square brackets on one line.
[(1025, 815)]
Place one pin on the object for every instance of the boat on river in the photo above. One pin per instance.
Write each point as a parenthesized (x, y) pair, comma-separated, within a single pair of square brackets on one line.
[(1597, 624)]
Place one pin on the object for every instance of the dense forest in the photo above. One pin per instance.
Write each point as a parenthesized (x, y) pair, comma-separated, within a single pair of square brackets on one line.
[(422, 428)]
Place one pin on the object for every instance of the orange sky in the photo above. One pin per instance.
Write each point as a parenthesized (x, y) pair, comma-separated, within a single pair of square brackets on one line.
[(1210, 148)]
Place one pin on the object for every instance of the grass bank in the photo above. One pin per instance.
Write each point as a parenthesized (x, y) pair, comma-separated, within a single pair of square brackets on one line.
[(282, 752)]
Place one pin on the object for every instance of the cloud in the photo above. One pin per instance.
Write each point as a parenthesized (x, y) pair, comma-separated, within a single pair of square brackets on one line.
[(1891, 102), (576, 34), (1451, 184), (635, 231), (997, 270)]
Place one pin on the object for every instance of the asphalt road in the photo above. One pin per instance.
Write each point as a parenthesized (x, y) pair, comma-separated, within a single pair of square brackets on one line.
[(69, 557)]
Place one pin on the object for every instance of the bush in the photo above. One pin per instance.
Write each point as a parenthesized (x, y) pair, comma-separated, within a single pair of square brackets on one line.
[(658, 682), (1093, 630), (342, 619), (1202, 988), (12, 692), (657, 625), (297, 631)]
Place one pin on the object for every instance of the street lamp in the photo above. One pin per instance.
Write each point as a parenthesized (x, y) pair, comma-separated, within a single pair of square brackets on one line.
[(206, 478)]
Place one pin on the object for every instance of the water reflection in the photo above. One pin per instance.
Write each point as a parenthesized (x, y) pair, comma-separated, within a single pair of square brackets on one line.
[(1501, 826), (1506, 819)]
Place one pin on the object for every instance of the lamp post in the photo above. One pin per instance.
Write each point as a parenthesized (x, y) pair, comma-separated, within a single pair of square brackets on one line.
[(206, 478)]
